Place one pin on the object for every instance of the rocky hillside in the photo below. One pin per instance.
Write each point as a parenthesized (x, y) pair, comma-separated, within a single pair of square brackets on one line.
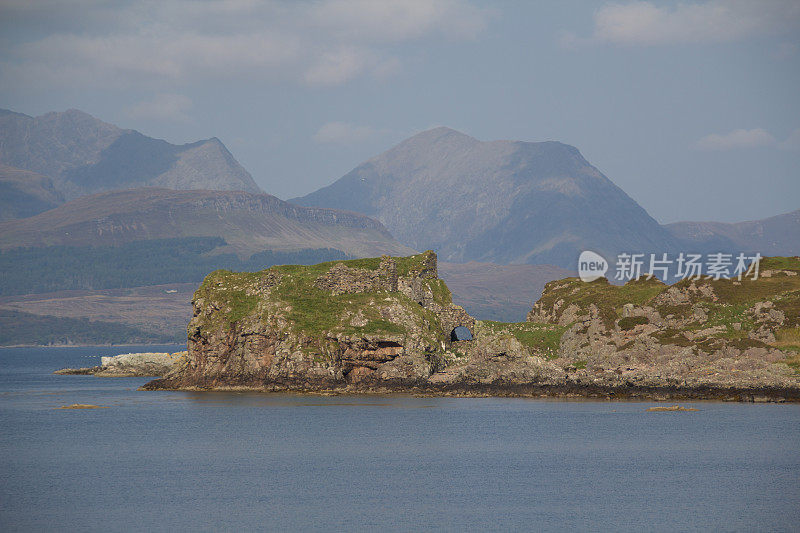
[(24, 194), (388, 324), (778, 235), (247, 222), (319, 327), (84, 155), (501, 201), (720, 334)]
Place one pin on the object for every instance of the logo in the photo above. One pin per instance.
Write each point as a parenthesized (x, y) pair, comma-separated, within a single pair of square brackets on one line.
[(591, 266)]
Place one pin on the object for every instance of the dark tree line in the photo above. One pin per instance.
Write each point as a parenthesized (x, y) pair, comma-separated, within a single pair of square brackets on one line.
[(136, 264)]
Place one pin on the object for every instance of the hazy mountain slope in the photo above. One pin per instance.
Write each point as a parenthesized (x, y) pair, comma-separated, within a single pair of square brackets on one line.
[(778, 235), (24, 194), (499, 201), (248, 222), (84, 155), (498, 292)]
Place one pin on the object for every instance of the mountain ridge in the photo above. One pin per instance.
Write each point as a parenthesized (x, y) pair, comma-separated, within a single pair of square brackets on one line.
[(775, 235), (248, 222), (494, 201), (84, 155)]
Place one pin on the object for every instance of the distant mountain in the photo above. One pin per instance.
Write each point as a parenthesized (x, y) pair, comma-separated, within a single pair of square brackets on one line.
[(247, 222), (24, 194), (778, 235), (501, 201), (498, 292), (84, 155)]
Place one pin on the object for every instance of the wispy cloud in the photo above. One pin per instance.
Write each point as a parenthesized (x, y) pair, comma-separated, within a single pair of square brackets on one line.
[(163, 107), (346, 133), (327, 42), (735, 139), (645, 23)]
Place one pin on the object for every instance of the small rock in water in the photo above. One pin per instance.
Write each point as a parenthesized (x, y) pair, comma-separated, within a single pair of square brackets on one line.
[(664, 409), (82, 406)]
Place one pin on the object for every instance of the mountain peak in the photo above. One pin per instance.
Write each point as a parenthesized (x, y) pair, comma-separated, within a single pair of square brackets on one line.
[(494, 201), (84, 155), (439, 133)]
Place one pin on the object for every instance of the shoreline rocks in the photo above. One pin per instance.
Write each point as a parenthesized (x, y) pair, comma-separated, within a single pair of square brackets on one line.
[(146, 364)]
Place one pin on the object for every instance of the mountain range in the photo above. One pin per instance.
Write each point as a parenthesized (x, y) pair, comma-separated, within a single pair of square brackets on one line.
[(87, 206), (83, 155), (778, 235), (513, 202)]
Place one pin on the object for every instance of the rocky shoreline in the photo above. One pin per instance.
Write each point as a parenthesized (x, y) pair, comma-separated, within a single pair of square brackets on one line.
[(388, 325), (146, 364), (515, 390)]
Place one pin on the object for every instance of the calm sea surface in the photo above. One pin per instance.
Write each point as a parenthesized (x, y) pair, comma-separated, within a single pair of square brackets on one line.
[(209, 461)]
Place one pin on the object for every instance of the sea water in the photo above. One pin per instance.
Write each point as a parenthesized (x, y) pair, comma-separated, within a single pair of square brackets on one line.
[(223, 461)]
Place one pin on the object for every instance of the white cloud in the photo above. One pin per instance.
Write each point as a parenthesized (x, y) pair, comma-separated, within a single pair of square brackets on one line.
[(163, 107), (346, 133), (735, 139), (326, 42), (644, 23), (792, 143)]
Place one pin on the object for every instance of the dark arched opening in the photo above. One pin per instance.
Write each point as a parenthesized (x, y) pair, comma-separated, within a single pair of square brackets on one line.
[(461, 333)]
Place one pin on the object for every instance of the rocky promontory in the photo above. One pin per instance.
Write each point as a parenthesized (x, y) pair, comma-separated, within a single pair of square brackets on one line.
[(389, 325), (146, 364)]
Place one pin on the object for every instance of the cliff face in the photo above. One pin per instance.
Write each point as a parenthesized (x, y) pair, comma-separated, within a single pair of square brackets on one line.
[(327, 326), (378, 325)]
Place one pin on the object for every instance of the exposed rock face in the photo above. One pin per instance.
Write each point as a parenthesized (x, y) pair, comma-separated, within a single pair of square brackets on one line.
[(695, 335), (378, 325), (372, 322), (144, 364)]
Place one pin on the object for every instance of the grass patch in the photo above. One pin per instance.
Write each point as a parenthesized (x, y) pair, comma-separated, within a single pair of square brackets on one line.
[(630, 322), (780, 263), (378, 326), (673, 337), (788, 335), (542, 339), (788, 340), (793, 362)]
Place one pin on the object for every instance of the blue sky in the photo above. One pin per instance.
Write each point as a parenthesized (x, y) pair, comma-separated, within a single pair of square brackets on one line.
[(690, 107)]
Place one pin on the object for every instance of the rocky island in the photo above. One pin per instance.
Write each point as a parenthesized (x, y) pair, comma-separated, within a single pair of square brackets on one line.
[(389, 325)]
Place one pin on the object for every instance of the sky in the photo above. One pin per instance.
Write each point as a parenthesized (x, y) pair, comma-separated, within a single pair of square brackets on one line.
[(691, 108)]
